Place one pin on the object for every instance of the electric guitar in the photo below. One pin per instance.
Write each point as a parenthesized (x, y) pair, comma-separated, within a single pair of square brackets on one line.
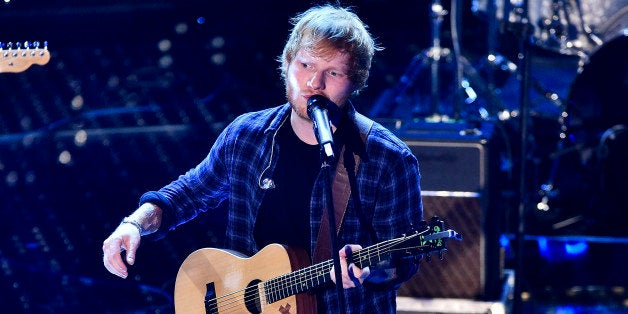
[(16, 58), (274, 280)]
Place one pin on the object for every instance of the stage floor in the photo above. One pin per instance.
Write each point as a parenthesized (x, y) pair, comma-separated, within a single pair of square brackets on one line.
[(594, 300)]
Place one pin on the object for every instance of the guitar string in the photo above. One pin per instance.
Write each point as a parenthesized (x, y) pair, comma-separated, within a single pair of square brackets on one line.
[(277, 288), (278, 285), (234, 299)]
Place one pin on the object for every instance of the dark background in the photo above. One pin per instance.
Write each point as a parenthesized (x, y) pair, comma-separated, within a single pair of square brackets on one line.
[(149, 114)]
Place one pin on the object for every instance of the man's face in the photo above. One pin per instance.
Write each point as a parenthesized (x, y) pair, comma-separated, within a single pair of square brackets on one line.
[(309, 75)]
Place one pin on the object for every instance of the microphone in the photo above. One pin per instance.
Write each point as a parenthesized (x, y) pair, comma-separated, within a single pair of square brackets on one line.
[(317, 107)]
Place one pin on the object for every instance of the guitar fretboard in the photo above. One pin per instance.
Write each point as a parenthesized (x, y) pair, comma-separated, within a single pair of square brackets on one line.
[(314, 276)]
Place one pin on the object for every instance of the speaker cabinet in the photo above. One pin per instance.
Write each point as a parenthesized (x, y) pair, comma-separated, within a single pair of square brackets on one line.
[(455, 186)]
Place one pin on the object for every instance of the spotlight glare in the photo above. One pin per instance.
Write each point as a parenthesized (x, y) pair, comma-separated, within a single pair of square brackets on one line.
[(181, 28), (65, 157), (80, 138), (77, 102)]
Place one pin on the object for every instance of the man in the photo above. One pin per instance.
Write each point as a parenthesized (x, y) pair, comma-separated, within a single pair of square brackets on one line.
[(265, 169)]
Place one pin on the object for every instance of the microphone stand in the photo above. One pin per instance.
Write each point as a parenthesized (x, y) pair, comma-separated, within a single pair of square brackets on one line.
[(435, 53), (432, 57), (331, 214), (522, 27)]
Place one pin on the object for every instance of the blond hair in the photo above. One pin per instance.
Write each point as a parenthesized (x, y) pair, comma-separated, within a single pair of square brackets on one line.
[(328, 28)]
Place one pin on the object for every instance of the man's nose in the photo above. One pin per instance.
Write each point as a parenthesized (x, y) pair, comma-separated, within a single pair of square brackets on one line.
[(316, 82)]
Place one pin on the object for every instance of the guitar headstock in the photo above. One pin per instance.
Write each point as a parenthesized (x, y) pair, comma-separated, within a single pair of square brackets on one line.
[(430, 238), (436, 238), (17, 57)]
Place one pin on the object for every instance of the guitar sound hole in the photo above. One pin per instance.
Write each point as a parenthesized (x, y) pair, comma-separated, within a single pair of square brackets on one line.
[(210, 299), (251, 297)]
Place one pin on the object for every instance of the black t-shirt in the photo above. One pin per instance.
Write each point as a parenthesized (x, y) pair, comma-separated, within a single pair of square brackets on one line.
[(284, 216)]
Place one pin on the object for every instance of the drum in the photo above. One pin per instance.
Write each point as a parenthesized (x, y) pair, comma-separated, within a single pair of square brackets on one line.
[(572, 27), (575, 27), (597, 96), (598, 133)]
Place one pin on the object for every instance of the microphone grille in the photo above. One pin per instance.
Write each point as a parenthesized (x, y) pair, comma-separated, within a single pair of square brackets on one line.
[(316, 101)]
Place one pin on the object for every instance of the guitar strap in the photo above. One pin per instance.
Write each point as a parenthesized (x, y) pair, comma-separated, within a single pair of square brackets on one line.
[(341, 190)]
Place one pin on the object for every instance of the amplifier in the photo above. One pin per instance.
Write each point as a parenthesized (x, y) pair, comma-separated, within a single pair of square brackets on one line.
[(455, 164)]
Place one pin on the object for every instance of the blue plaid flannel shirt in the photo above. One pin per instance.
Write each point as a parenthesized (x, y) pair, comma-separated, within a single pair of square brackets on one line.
[(243, 157)]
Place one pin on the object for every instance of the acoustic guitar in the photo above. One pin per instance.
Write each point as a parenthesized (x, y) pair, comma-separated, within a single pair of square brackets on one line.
[(277, 278), (18, 57)]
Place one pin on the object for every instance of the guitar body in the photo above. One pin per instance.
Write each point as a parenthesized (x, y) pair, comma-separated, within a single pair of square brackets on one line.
[(229, 282)]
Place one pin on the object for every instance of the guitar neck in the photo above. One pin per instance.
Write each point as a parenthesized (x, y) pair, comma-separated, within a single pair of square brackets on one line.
[(316, 275), (298, 281)]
